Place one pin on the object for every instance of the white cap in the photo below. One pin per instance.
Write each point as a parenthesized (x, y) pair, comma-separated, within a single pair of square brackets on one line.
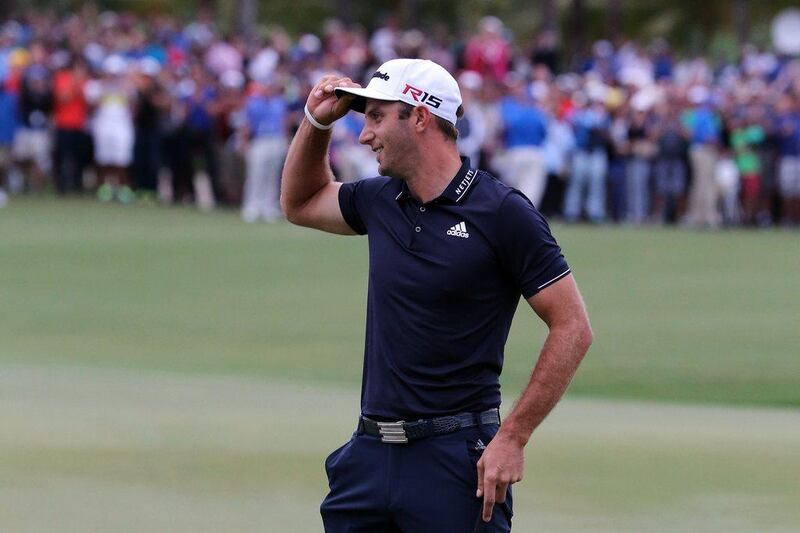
[(413, 81), (149, 66), (232, 79), (115, 65)]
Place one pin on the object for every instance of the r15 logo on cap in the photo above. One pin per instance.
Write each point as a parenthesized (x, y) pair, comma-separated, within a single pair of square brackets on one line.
[(421, 96)]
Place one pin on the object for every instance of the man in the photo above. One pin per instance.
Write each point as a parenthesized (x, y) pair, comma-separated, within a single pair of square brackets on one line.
[(451, 250), (265, 138), (591, 123), (705, 135), (524, 130), (70, 116)]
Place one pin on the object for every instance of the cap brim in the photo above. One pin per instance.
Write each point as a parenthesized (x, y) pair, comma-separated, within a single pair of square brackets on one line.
[(361, 94)]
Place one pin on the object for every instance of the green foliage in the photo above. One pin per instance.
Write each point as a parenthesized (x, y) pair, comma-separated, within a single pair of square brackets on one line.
[(691, 27)]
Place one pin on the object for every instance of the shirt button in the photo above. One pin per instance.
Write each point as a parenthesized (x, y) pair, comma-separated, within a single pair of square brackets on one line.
[(417, 229), (422, 208)]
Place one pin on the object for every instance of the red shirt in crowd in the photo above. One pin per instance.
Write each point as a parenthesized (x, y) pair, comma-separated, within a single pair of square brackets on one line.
[(70, 103)]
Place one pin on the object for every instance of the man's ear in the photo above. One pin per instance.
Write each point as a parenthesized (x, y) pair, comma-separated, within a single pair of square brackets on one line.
[(422, 118)]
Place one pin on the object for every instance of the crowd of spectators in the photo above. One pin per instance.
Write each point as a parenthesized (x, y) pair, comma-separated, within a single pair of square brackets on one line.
[(132, 108)]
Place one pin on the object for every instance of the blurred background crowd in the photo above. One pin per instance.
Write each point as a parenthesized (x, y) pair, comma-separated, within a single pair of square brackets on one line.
[(152, 108)]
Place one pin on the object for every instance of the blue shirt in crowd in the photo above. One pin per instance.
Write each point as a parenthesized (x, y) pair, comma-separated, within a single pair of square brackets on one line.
[(703, 124), (525, 124), (589, 125), (197, 115), (445, 278), (265, 115), (8, 117), (787, 126)]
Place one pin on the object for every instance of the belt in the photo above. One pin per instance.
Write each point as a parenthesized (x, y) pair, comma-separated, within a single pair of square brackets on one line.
[(401, 432)]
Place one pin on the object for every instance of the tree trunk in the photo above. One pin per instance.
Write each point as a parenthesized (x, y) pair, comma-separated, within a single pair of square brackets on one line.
[(741, 20), (549, 14), (575, 44), (613, 19), (246, 18)]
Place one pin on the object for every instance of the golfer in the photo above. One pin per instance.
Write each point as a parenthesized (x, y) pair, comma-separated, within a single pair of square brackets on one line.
[(451, 249)]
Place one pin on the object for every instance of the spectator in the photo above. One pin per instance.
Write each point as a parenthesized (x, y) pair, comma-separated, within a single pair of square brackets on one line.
[(112, 130), (198, 133), (670, 165), (265, 110), (488, 53), (472, 125), (587, 185), (704, 126), (557, 148), (524, 131), (8, 124), (150, 104), (745, 138), (642, 149), (788, 130), (728, 182), (32, 143), (228, 140), (618, 154), (70, 118)]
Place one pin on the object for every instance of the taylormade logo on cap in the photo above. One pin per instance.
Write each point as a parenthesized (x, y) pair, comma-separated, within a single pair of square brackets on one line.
[(414, 81)]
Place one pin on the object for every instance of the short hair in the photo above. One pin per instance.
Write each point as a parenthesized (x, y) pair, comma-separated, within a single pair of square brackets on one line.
[(445, 126)]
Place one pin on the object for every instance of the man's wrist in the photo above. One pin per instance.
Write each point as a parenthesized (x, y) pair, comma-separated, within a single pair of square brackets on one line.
[(310, 118), (517, 435)]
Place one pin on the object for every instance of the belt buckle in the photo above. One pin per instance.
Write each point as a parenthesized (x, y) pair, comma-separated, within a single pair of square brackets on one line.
[(393, 432)]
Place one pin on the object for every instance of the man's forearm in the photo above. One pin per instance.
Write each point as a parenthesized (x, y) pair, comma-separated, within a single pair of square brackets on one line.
[(561, 354), (307, 169)]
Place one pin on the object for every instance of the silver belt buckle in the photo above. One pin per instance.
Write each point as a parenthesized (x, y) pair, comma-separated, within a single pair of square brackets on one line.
[(392, 432)]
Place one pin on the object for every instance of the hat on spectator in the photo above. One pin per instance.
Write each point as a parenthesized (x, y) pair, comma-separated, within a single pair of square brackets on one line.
[(698, 94), (470, 80), (491, 24), (149, 66), (232, 79), (413, 81), (114, 65)]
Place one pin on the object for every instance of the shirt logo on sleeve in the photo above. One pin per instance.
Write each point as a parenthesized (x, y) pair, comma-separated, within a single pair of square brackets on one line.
[(459, 230)]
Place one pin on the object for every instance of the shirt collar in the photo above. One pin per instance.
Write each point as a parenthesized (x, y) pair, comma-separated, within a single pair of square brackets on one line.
[(456, 190)]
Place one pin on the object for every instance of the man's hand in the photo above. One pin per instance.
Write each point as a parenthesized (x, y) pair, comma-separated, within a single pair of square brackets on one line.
[(322, 102), (501, 464)]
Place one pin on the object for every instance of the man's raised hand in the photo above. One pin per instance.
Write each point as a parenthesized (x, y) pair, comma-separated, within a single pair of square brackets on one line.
[(322, 102)]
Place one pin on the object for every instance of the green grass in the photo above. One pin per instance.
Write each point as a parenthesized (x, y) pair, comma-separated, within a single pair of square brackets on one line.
[(167, 370), (136, 451), (678, 315)]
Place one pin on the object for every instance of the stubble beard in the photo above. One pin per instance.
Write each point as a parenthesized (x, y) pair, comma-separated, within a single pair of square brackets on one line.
[(401, 169)]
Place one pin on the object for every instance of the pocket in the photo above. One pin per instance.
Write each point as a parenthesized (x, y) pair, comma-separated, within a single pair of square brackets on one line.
[(335, 458), (479, 440), (475, 446)]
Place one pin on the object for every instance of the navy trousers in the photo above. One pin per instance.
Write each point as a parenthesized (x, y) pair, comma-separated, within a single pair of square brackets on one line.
[(423, 486)]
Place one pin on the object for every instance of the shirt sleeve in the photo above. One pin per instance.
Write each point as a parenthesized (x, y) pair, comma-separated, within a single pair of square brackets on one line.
[(528, 251), (356, 201)]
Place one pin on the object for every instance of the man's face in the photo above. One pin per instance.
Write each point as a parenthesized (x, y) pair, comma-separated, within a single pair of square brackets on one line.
[(390, 137)]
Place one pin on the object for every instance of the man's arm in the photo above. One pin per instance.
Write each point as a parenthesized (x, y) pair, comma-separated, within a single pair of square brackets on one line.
[(561, 307), (309, 194)]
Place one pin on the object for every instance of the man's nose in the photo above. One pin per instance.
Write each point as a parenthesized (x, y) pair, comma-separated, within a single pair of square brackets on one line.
[(366, 135)]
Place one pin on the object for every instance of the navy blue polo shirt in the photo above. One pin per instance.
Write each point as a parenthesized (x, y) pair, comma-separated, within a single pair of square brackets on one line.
[(445, 279)]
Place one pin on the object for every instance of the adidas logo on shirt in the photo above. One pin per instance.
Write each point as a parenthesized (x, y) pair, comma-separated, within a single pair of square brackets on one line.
[(459, 230)]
